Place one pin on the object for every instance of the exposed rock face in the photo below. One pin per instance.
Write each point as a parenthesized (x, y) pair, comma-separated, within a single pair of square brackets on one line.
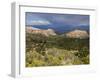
[(47, 32), (78, 34)]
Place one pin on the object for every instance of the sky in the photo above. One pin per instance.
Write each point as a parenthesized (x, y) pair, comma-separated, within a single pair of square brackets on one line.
[(56, 21)]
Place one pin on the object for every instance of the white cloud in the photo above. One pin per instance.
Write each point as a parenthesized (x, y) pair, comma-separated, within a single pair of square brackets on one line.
[(39, 22)]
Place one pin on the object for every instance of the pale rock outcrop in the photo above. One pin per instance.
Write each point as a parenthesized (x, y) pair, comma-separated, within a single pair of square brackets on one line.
[(46, 32), (77, 34)]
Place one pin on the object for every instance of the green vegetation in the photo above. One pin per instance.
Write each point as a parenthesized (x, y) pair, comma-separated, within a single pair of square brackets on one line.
[(55, 50)]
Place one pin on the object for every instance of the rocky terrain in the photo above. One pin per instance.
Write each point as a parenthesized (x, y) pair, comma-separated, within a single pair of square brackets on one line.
[(47, 32), (72, 34), (77, 34)]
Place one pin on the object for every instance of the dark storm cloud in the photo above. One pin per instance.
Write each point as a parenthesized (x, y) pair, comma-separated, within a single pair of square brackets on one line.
[(53, 19)]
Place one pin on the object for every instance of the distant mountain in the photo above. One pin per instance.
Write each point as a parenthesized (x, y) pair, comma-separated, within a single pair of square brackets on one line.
[(81, 31), (77, 34), (61, 29), (46, 32), (83, 27)]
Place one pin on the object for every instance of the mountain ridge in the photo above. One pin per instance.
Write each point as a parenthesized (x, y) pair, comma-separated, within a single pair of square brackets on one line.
[(47, 32), (77, 33), (60, 29)]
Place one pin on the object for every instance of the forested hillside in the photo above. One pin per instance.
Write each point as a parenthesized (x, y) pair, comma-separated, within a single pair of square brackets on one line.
[(55, 50)]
